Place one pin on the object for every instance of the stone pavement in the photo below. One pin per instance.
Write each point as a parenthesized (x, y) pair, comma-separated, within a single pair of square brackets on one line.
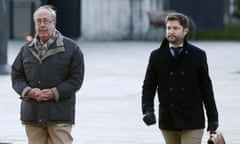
[(108, 107)]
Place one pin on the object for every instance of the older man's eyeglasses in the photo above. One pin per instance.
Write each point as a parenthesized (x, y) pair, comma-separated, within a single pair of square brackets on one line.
[(44, 21)]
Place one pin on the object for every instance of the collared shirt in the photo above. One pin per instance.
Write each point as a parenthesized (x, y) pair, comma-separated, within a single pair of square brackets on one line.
[(175, 50)]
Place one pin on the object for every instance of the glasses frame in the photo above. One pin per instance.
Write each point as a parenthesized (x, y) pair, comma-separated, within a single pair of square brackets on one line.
[(45, 21)]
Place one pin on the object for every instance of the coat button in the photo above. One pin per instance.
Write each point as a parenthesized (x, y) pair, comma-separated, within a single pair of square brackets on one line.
[(39, 82), (182, 73), (171, 73), (171, 89), (171, 105)]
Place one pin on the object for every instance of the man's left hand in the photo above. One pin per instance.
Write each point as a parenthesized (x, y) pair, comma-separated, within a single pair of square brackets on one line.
[(49, 93)]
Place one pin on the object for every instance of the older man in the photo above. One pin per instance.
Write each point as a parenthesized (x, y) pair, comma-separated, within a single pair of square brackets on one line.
[(46, 74)]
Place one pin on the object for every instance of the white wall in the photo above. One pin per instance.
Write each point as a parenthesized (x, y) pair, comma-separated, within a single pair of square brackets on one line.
[(116, 19), (105, 19)]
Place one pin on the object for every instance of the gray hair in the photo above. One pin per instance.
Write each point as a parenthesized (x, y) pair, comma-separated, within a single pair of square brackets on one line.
[(48, 8)]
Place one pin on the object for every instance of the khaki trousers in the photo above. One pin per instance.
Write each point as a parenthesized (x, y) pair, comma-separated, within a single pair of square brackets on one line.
[(183, 137), (49, 134)]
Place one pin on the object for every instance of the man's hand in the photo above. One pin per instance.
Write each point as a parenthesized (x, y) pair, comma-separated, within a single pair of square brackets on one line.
[(40, 95), (50, 94), (33, 93), (149, 118)]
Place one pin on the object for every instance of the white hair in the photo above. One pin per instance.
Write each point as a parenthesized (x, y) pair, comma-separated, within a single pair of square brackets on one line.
[(48, 8)]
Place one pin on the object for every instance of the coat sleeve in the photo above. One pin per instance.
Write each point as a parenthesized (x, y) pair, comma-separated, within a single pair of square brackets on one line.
[(149, 87), (18, 78), (75, 77), (207, 91)]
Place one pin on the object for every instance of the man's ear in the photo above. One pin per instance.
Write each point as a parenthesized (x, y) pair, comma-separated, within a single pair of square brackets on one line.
[(185, 31)]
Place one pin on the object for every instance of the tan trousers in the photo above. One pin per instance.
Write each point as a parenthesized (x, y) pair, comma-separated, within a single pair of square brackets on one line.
[(49, 134), (183, 137)]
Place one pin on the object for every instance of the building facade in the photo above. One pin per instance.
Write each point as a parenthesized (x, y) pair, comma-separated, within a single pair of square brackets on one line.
[(98, 19), (113, 19)]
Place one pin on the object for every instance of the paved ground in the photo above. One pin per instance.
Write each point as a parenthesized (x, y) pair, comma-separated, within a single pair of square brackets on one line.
[(108, 105)]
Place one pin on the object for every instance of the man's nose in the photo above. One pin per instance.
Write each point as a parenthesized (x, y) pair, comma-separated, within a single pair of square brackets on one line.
[(170, 31)]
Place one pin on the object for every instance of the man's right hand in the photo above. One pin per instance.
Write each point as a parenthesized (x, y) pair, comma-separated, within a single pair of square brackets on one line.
[(149, 118)]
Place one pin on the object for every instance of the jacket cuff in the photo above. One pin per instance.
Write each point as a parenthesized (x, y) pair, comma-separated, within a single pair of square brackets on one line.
[(24, 92), (56, 93)]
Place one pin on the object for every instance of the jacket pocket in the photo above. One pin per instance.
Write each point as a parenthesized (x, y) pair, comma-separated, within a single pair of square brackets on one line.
[(28, 111), (62, 111)]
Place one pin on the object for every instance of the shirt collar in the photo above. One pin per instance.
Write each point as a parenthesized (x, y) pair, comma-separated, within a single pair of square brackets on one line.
[(171, 45)]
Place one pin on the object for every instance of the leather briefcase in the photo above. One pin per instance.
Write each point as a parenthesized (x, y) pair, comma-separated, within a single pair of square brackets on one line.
[(216, 137)]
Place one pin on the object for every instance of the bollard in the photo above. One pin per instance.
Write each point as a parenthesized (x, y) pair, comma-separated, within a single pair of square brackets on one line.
[(4, 7)]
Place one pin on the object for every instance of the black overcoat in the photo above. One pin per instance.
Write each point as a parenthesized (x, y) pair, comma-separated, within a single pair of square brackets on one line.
[(183, 86)]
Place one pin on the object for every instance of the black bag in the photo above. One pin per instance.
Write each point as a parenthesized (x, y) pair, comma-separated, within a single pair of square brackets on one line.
[(216, 137)]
